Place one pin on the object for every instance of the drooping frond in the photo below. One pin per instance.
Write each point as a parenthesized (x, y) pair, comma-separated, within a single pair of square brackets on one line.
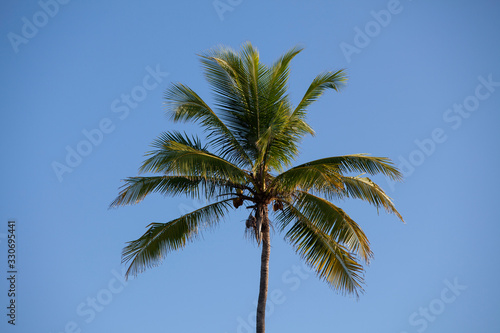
[(332, 261), (176, 155), (162, 238), (335, 223), (365, 189)]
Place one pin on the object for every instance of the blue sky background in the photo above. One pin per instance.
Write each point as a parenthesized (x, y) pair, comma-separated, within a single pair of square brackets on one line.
[(69, 75)]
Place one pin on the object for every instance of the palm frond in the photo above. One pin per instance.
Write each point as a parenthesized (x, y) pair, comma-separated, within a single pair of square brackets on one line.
[(328, 80), (334, 222), (179, 156), (365, 189), (185, 105), (279, 74), (281, 132), (251, 97), (348, 163), (226, 73), (136, 189), (275, 149), (332, 261), (162, 238), (322, 178)]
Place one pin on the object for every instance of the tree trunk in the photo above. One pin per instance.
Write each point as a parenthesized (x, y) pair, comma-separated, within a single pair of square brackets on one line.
[(262, 212)]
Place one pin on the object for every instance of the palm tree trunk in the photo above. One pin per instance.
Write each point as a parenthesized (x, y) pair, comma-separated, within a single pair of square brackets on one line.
[(262, 212)]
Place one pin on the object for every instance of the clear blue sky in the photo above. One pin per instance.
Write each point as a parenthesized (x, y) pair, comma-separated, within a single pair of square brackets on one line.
[(424, 90)]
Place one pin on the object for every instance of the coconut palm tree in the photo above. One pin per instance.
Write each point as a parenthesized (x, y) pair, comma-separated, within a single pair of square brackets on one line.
[(252, 138)]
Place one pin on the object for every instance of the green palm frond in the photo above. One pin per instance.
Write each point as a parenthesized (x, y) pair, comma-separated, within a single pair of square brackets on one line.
[(341, 164), (180, 156), (332, 261), (136, 189), (253, 102), (319, 177), (185, 105), (279, 143), (364, 163), (276, 149), (225, 72), (162, 238), (329, 80), (280, 131), (279, 73), (334, 222), (365, 189)]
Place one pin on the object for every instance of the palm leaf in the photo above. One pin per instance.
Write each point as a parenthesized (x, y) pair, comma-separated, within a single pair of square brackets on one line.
[(320, 177), (136, 189), (332, 261), (162, 238), (334, 222), (328, 80), (343, 164), (365, 189), (177, 155), (185, 105), (225, 72)]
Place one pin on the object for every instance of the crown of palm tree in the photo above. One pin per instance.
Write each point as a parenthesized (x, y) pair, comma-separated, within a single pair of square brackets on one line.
[(252, 137)]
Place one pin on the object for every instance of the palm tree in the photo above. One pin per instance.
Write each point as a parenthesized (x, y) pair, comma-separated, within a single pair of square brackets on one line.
[(252, 137)]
